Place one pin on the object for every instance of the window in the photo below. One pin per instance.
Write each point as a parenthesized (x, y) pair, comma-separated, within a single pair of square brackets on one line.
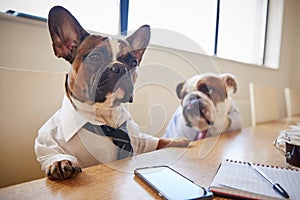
[(246, 31), (242, 28), (100, 15), (194, 19)]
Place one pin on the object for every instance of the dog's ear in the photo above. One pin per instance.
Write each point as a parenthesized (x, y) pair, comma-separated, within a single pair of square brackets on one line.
[(66, 33), (179, 91), (139, 40), (230, 82)]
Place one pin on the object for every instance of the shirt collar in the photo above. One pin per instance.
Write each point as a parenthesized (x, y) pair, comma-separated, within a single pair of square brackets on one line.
[(72, 120)]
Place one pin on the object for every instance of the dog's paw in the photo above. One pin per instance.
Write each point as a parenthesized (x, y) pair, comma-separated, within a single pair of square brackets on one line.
[(63, 169), (181, 142)]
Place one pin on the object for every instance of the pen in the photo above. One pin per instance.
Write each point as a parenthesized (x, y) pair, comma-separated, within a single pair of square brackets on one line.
[(275, 186)]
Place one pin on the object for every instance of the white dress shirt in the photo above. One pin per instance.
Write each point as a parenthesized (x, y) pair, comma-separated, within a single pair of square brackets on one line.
[(63, 138)]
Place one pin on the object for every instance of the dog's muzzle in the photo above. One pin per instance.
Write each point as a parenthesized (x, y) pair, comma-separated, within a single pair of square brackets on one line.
[(125, 81), (117, 76), (196, 106)]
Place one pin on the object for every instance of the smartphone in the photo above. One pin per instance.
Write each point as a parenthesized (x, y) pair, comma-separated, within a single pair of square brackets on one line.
[(171, 185)]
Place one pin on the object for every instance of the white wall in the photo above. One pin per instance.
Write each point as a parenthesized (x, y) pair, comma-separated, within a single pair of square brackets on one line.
[(294, 34), (31, 87), (26, 45)]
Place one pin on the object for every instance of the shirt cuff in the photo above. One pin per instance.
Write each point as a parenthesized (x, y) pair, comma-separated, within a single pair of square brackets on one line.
[(48, 160)]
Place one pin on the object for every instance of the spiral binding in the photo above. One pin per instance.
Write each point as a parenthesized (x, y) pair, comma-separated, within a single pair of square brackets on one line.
[(262, 165)]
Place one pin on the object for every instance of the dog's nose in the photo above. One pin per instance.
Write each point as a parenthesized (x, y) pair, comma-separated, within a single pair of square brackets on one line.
[(131, 99), (119, 69)]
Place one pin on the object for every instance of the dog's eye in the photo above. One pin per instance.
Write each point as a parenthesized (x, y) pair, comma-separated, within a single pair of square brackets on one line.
[(133, 63), (95, 57), (204, 88), (129, 59)]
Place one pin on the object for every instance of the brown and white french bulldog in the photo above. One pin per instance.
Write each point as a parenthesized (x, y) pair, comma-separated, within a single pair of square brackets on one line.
[(102, 77), (206, 107)]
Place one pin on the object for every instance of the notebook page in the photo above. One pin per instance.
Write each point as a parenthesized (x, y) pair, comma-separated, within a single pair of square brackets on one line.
[(288, 179), (242, 177)]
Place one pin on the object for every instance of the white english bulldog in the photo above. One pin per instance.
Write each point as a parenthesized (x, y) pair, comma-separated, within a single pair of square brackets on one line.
[(206, 107)]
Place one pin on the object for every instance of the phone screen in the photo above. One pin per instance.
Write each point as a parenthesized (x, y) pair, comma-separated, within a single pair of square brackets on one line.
[(170, 184)]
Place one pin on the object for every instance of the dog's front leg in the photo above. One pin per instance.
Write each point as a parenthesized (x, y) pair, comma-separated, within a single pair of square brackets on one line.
[(63, 169), (163, 143)]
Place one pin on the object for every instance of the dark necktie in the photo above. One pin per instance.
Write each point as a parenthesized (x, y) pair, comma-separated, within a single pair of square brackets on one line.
[(119, 137)]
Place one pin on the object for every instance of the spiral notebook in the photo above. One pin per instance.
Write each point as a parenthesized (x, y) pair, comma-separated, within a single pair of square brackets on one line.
[(237, 179)]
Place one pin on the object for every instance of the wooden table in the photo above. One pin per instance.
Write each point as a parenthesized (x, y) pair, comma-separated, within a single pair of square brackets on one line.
[(199, 162)]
